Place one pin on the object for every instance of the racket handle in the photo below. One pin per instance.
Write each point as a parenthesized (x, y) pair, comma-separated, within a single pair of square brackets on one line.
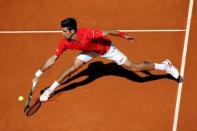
[(34, 83)]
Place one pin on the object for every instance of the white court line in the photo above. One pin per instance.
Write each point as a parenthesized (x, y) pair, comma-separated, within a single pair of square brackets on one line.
[(172, 30), (59, 31), (186, 40), (30, 32)]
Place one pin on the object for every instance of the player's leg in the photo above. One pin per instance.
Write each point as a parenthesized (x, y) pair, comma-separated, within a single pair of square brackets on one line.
[(69, 71), (141, 66), (80, 60), (64, 75), (144, 66), (115, 55)]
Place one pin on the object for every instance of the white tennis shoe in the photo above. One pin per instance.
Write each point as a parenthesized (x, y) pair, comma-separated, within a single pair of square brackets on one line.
[(45, 96), (170, 69)]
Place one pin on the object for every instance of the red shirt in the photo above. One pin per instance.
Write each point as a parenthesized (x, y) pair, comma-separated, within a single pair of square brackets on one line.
[(88, 40)]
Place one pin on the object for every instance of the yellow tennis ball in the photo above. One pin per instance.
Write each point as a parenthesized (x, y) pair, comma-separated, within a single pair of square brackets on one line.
[(20, 98)]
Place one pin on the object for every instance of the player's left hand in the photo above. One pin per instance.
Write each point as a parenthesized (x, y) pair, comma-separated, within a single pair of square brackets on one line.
[(131, 39)]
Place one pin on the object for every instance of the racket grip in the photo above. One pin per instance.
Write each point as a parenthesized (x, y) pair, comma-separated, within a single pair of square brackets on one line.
[(34, 83)]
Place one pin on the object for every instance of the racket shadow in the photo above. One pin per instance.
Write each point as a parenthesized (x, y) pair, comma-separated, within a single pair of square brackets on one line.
[(34, 108)]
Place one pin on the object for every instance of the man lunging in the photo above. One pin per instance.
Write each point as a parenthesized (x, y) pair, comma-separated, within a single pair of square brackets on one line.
[(94, 43)]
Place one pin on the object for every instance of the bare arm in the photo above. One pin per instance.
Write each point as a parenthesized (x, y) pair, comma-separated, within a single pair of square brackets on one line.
[(50, 62), (110, 32), (118, 33)]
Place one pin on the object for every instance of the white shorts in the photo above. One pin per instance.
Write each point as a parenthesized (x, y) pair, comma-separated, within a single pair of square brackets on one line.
[(113, 54)]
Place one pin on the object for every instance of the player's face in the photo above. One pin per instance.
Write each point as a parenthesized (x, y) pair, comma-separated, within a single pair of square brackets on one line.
[(67, 33)]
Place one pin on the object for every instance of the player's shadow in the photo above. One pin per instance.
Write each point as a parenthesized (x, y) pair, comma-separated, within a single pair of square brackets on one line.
[(97, 70)]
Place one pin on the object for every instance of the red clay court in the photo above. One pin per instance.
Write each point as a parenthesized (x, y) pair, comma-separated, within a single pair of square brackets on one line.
[(101, 96)]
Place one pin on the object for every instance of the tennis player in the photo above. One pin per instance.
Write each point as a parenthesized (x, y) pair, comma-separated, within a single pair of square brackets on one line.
[(94, 43)]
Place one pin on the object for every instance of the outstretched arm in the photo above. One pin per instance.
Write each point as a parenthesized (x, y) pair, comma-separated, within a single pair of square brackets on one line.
[(50, 62), (118, 33)]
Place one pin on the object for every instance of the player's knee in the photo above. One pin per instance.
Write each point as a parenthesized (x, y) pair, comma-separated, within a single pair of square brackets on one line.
[(76, 66), (146, 62), (132, 67)]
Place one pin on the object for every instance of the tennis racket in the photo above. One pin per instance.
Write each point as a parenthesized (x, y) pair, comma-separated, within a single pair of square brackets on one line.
[(29, 96)]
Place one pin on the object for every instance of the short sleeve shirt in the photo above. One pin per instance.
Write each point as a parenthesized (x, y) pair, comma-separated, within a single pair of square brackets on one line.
[(88, 40)]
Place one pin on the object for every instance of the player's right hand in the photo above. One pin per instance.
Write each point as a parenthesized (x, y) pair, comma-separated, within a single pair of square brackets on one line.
[(35, 80)]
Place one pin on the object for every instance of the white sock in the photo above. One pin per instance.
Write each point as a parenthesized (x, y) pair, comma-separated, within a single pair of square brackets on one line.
[(54, 85), (159, 66)]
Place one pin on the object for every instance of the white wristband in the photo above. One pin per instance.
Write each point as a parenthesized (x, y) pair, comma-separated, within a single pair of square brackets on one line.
[(38, 73)]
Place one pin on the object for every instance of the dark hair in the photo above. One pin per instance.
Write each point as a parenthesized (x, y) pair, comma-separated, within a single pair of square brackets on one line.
[(70, 23)]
